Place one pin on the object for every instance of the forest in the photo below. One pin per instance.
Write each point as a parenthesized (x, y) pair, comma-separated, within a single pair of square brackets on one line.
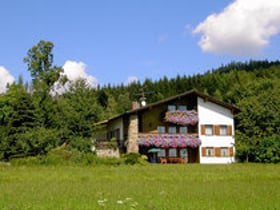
[(35, 118)]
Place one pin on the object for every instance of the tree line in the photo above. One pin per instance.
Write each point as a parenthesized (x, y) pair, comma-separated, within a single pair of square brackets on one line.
[(35, 119)]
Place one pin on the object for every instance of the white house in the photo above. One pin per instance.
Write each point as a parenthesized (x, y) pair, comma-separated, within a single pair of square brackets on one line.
[(191, 127)]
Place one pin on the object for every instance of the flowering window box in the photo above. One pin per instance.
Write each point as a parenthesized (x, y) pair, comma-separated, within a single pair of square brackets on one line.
[(169, 140), (182, 117)]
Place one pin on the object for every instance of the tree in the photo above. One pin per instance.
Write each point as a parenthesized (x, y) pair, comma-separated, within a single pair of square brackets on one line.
[(78, 112), (268, 150), (21, 134), (259, 116), (39, 61), (40, 64)]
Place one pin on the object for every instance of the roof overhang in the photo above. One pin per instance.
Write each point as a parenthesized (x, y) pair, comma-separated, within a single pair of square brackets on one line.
[(193, 92)]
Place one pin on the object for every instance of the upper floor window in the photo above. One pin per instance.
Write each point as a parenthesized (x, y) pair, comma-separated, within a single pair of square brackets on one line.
[(172, 129), (223, 130), (183, 129), (219, 130), (161, 129), (171, 107), (209, 129), (182, 107)]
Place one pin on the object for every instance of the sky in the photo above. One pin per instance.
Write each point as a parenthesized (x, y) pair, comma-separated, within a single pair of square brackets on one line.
[(123, 41)]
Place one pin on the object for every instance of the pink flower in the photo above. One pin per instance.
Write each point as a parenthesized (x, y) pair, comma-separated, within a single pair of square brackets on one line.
[(182, 117)]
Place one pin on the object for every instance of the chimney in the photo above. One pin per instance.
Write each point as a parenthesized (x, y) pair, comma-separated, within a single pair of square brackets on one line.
[(135, 105)]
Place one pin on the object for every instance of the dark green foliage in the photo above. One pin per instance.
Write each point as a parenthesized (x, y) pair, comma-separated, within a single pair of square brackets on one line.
[(132, 158), (259, 117), (32, 121), (39, 61), (268, 150), (66, 157)]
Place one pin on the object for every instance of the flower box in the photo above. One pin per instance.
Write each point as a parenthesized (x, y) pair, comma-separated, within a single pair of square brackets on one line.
[(182, 117), (169, 140)]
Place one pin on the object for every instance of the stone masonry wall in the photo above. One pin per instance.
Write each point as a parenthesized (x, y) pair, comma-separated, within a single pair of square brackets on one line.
[(132, 146), (108, 153)]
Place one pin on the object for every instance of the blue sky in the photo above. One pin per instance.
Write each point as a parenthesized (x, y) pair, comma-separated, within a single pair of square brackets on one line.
[(113, 41)]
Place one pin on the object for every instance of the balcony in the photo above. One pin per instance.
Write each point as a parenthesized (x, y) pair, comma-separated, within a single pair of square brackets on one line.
[(169, 140), (182, 117)]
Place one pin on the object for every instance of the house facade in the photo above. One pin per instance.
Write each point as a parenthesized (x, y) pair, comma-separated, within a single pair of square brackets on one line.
[(191, 127)]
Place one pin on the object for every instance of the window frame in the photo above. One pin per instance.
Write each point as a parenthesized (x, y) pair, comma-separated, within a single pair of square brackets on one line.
[(224, 152), (172, 129), (171, 107), (184, 153), (183, 127), (182, 108), (208, 127), (170, 152), (223, 130), (210, 151), (162, 153), (161, 129)]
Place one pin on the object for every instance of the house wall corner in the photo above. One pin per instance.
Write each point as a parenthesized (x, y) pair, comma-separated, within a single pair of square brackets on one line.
[(132, 142)]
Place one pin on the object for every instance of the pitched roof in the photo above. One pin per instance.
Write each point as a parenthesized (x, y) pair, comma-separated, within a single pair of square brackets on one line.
[(195, 92)]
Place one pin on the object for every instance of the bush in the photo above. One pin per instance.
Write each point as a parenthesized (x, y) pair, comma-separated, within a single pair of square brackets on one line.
[(81, 144), (133, 158), (68, 157), (268, 150)]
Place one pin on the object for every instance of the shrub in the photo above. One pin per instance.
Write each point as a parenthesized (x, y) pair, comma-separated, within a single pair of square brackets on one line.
[(268, 150), (133, 158)]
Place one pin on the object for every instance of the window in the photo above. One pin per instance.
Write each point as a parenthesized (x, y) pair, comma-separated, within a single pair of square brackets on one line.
[(183, 129), (114, 134), (182, 108), (171, 107), (210, 151), (172, 152), (223, 130), (224, 152), (161, 129), (171, 129), (209, 129), (183, 153), (162, 153)]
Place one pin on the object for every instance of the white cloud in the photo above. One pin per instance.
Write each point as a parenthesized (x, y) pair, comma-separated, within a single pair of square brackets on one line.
[(75, 71), (132, 79), (242, 28), (5, 77)]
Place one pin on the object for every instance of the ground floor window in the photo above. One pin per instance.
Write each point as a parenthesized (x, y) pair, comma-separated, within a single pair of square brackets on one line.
[(210, 151), (224, 152), (162, 153), (172, 152), (183, 153)]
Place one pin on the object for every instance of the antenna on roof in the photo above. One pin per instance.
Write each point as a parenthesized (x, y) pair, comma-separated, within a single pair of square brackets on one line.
[(143, 96)]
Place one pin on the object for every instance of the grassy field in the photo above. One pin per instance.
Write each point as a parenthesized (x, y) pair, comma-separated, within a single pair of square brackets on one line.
[(179, 187)]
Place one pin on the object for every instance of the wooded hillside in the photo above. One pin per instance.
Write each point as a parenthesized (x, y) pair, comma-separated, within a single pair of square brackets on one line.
[(34, 120)]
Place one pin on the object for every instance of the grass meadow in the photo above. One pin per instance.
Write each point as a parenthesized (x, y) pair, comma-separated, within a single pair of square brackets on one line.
[(153, 186)]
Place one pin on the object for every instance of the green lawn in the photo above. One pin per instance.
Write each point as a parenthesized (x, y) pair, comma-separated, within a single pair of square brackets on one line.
[(178, 187)]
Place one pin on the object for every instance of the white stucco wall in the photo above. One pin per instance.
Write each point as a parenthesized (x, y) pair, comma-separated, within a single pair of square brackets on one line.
[(213, 114), (117, 124)]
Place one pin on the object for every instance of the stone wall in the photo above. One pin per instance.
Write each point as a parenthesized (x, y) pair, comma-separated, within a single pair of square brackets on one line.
[(108, 153), (132, 144)]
